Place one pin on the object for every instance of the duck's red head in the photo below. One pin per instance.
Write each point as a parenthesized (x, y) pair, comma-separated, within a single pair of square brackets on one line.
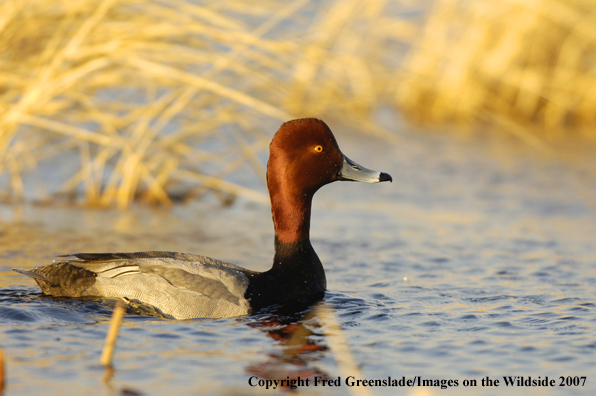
[(303, 157)]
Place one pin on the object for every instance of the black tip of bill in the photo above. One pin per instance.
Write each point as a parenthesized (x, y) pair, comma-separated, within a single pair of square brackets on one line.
[(385, 177)]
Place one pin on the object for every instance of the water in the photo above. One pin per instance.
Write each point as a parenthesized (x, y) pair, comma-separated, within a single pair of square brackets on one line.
[(478, 261)]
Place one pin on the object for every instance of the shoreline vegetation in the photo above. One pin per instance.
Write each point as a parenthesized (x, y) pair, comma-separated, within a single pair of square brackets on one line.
[(107, 102)]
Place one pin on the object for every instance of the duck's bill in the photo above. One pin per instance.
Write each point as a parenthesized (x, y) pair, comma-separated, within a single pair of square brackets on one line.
[(351, 171)]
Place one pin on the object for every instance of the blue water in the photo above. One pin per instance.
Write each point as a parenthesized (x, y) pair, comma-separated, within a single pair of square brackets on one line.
[(478, 261)]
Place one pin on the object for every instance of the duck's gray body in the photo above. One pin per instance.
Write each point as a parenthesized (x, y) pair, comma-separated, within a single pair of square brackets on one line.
[(176, 285)]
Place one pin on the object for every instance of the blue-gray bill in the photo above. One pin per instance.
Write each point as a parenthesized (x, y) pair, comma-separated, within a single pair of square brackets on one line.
[(351, 171)]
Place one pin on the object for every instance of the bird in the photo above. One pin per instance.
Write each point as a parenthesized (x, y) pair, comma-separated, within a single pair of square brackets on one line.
[(303, 157)]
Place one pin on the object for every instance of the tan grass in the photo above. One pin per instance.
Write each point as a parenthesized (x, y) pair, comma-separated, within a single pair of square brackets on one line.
[(152, 99), (530, 63), (134, 88)]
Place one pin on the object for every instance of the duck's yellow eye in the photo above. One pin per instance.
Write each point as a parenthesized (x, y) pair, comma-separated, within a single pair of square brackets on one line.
[(319, 149)]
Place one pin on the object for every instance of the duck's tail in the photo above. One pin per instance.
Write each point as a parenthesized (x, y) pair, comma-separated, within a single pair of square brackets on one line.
[(32, 274)]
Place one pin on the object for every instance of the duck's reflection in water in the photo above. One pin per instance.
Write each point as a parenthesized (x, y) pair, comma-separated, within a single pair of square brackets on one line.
[(299, 330)]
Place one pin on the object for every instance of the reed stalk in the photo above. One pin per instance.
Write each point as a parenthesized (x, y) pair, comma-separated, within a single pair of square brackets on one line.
[(340, 348), (2, 372), (112, 336)]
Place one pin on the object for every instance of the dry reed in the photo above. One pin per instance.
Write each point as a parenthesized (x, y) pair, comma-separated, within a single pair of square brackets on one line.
[(144, 95), (528, 66), (339, 347), (112, 336), (114, 100), (2, 374)]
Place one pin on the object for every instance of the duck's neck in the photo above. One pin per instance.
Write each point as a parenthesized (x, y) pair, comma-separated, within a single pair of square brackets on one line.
[(294, 255), (297, 272), (291, 216)]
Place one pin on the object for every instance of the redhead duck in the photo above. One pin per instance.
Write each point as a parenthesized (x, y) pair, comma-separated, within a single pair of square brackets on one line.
[(303, 157)]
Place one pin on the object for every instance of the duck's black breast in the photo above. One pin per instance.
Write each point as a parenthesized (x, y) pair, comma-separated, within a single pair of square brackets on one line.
[(297, 273)]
